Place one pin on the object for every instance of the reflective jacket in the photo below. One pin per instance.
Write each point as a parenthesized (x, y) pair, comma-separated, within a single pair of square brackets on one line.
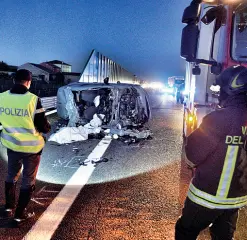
[(215, 149), (17, 119)]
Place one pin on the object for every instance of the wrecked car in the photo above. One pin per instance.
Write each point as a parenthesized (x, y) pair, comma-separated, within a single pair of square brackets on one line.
[(98, 110), (117, 105)]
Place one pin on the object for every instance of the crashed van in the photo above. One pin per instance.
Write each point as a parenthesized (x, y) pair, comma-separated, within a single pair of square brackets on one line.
[(118, 105)]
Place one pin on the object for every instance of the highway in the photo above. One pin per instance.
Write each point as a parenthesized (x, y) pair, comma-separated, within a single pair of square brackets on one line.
[(136, 193)]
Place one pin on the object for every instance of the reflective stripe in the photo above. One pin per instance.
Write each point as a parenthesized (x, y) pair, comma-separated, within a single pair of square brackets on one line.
[(211, 205), (21, 143), (228, 170), (40, 110), (215, 199), (19, 130)]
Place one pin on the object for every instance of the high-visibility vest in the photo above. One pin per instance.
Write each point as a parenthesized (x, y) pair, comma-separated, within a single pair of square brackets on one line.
[(221, 199), (17, 118)]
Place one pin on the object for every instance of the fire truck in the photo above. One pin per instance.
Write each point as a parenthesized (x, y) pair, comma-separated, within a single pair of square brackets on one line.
[(214, 38)]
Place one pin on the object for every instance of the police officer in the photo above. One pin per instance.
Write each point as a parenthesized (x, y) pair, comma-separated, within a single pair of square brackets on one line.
[(23, 120), (219, 186)]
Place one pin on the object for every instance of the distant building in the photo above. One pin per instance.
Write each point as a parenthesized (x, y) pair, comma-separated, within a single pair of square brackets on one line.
[(39, 72), (52, 67), (50, 73), (71, 77), (64, 67)]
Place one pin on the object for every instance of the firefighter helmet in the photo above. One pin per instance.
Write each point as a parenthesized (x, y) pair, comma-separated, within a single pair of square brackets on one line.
[(233, 80)]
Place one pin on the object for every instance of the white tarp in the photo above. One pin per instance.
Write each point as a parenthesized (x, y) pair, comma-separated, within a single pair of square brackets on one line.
[(75, 134)]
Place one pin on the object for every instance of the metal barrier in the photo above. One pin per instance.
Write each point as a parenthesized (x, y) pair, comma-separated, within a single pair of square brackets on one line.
[(47, 103)]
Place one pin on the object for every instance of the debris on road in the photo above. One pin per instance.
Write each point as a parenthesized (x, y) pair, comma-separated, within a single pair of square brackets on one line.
[(66, 135), (94, 161)]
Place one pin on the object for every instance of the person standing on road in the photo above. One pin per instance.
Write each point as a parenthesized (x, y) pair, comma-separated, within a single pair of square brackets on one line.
[(23, 120), (217, 151)]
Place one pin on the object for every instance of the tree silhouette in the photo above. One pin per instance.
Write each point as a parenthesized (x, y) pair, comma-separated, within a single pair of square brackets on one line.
[(4, 66)]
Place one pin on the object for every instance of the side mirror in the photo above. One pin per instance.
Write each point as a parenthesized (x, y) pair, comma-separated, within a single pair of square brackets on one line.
[(191, 14), (189, 42)]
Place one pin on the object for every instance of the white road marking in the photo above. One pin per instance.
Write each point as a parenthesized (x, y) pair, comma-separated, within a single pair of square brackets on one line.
[(51, 112), (36, 201), (41, 190), (49, 221)]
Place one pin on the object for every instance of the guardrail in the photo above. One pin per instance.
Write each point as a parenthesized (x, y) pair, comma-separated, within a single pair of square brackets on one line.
[(47, 103)]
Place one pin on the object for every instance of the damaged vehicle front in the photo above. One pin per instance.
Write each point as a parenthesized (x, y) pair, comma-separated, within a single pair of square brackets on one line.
[(118, 109)]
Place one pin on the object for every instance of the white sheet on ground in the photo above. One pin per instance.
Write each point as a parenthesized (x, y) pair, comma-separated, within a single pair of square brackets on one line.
[(73, 134)]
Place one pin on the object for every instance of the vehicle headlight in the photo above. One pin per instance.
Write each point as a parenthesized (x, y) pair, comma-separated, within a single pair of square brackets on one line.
[(215, 88), (168, 90)]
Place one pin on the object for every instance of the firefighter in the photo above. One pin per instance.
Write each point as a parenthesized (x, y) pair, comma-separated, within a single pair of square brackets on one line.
[(23, 120), (215, 150)]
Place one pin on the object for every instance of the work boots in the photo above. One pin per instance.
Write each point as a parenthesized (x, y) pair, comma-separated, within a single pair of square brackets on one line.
[(10, 189), (21, 214)]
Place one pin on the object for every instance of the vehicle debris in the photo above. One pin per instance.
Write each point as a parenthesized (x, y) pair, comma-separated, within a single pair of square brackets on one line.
[(95, 161)]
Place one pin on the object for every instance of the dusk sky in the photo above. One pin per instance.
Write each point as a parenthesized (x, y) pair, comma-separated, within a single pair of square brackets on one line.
[(142, 36)]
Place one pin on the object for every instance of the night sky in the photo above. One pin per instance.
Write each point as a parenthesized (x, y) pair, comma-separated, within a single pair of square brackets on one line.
[(141, 35)]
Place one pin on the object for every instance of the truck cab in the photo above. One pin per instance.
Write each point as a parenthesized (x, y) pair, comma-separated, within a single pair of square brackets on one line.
[(214, 38)]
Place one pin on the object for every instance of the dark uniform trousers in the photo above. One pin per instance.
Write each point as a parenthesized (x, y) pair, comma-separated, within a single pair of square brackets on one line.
[(195, 218), (30, 163)]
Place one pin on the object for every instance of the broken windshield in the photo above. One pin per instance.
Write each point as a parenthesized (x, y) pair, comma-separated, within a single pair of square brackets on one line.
[(239, 38)]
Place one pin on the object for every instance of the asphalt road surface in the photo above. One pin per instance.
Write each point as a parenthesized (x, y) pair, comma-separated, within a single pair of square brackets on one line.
[(137, 193)]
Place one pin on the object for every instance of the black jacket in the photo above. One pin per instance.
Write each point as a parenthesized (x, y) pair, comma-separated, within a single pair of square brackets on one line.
[(40, 121), (207, 147)]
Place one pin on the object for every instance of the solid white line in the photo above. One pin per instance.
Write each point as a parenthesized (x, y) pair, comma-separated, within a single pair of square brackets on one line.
[(47, 113), (51, 112), (49, 221)]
